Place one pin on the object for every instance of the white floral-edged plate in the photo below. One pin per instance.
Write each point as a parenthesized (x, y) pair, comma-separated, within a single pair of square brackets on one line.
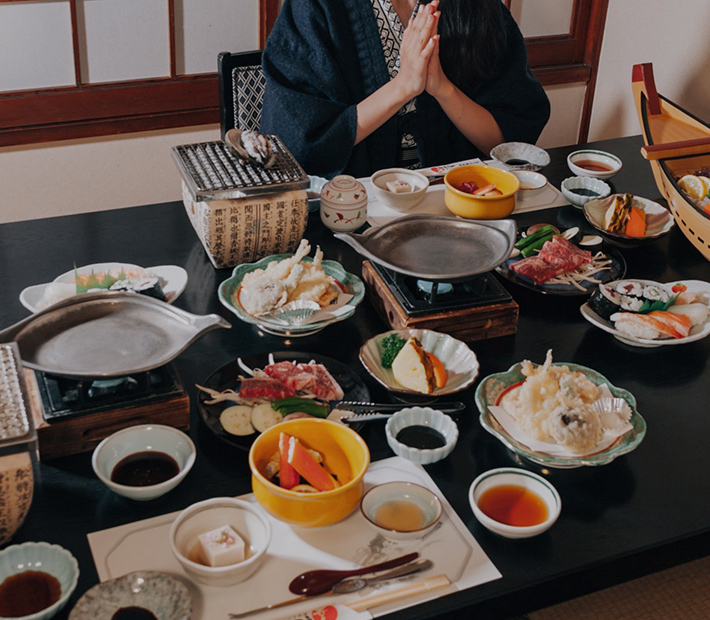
[(696, 333), (173, 280), (458, 359), (165, 596), (493, 387)]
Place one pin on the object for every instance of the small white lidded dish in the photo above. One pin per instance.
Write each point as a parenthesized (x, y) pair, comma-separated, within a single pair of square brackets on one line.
[(244, 518), (343, 204), (421, 427), (401, 510), (382, 183), (135, 442), (578, 191), (593, 163), (529, 503)]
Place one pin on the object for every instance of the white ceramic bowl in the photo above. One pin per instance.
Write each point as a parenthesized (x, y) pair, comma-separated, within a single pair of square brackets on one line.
[(408, 492), (459, 360), (520, 156), (522, 478), (609, 163), (143, 438), (530, 180), (422, 416), (595, 187), (42, 556), (165, 596), (400, 201), (245, 519)]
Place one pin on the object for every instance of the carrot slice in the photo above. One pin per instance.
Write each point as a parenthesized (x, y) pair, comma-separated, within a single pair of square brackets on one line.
[(439, 370), (636, 226), (288, 476), (307, 466)]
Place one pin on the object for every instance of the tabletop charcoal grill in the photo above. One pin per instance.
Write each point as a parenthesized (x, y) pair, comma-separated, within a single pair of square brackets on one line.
[(212, 171)]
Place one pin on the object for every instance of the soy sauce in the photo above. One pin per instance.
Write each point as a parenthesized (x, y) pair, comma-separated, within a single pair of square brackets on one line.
[(133, 613), (594, 166), (422, 437), (517, 162), (513, 505), (583, 191), (144, 469), (27, 593)]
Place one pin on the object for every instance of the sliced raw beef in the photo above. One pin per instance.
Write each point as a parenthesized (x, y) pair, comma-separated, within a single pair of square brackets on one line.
[(536, 269), (291, 375), (325, 386), (560, 252), (259, 389)]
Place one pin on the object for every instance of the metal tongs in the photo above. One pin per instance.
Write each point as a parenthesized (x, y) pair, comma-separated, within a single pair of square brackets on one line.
[(364, 412)]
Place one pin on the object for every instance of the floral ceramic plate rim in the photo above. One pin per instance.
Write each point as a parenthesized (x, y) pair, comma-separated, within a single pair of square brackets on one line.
[(150, 590), (173, 277), (444, 346), (492, 388), (347, 282), (696, 333)]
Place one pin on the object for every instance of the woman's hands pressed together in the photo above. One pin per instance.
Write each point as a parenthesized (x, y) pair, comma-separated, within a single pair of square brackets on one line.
[(417, 50)]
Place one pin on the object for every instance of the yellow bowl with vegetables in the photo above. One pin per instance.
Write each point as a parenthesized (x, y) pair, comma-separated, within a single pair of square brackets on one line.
[(498, 189), (345, 458)]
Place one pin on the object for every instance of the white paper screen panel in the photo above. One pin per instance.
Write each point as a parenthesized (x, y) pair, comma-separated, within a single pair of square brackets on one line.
[(123, 39), (539, 18), (207, 27), (35, 46)]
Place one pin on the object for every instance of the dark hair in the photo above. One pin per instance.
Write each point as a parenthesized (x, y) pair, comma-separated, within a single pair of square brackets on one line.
[(473, 38)]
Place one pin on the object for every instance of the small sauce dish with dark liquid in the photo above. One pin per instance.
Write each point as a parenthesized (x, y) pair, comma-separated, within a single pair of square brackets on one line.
[(593, 163), (421, 434), (144, 462)]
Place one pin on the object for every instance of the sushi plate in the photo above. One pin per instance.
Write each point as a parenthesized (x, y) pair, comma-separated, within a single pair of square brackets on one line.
[(173, 280), (228, 377), (696, 333), (616, 271), (493, 387), (347, 283)]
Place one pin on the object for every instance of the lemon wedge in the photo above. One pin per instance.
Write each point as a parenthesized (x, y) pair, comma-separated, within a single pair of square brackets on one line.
[(706, 182), (693, 186)]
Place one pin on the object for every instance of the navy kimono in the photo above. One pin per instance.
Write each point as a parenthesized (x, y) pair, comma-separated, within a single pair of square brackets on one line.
[(325, 56)]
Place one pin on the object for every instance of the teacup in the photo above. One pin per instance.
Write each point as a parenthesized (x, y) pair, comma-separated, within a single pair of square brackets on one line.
[(343, 204)]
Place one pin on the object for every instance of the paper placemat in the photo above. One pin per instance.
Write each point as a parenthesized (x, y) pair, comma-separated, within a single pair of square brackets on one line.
[(433, 203), (352, 542)]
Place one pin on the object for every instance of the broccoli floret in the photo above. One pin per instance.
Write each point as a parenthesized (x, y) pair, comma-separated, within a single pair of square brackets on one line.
[(391, 345)]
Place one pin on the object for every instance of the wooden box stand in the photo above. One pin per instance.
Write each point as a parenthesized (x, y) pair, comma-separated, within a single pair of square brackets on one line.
[(83, 432), (466, 324)]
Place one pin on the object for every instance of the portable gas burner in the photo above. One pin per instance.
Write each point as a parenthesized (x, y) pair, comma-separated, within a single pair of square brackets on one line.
[(474, 309), (73, 415)]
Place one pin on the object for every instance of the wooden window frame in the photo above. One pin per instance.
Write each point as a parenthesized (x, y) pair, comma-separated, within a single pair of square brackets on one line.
[(90, 110)]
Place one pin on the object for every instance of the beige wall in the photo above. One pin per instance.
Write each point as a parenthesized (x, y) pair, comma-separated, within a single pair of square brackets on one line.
[(106, 173)]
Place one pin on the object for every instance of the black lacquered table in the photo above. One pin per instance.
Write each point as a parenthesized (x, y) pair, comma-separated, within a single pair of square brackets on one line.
[(644, 512)]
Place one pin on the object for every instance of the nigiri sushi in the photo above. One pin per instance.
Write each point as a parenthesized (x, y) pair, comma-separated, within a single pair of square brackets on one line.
[(652, 326), (698, 312)]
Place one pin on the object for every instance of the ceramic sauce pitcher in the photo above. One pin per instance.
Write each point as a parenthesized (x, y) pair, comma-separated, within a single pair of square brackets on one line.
[(343, 204)]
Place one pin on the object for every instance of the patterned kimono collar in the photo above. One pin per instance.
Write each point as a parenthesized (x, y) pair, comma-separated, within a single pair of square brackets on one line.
[(391, 31)]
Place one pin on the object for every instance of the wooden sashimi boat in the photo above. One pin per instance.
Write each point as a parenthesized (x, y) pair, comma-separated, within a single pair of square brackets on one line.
[(676, 143)]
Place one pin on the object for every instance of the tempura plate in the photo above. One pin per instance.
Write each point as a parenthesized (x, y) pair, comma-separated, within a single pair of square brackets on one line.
[(493, 387)]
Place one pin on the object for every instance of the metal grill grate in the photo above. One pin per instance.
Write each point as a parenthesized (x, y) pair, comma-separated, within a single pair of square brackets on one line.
[(212, 171)]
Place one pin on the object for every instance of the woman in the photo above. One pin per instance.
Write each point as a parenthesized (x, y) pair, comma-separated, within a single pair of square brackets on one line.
[(355, 86)]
